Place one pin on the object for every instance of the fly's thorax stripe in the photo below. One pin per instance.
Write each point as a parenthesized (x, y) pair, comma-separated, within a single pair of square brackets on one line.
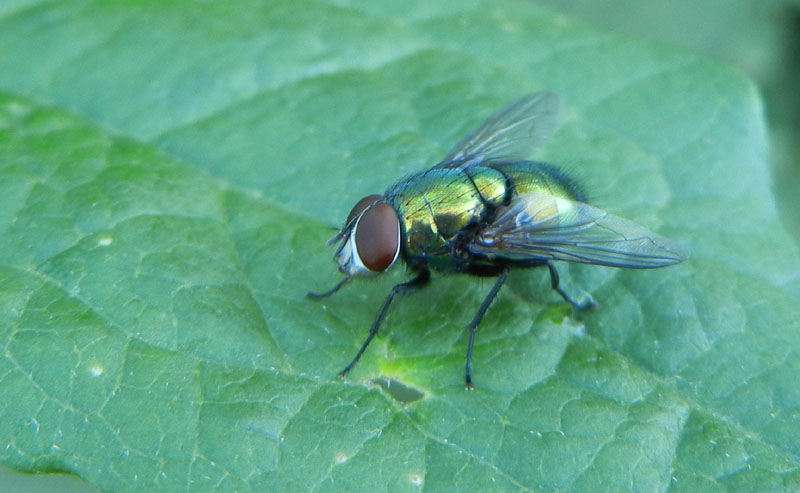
[(491, 185), (455, 206), (433, 207), (421, 233)]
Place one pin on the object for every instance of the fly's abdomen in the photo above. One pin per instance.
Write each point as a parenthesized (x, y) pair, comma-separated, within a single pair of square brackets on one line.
[(531, 176), (436, 205)]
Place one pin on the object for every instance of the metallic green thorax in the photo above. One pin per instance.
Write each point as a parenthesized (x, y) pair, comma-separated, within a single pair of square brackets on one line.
[(436, 205)]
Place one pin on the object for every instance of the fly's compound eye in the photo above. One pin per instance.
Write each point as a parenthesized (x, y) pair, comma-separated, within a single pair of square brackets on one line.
[(361, 206), (377, 236)]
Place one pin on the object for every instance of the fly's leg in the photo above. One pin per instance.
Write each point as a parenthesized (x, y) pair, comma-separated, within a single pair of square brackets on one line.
[(407, 287), (473, 326), (587, 303), (319, 296)]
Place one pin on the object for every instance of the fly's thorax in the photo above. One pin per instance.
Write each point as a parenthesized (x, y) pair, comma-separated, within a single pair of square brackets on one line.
[(491, 184), (370, 239), (436, 205)]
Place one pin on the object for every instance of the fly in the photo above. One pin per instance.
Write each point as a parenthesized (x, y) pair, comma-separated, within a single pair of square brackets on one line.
[(484, 210)]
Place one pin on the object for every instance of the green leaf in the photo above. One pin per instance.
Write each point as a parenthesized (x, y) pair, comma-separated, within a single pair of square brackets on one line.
[(169, 173)]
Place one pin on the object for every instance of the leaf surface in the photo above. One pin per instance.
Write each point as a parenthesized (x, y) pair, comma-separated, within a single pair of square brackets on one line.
[(169, 173)]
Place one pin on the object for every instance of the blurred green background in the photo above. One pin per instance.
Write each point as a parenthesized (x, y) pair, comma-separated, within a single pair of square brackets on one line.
[(760, 38)]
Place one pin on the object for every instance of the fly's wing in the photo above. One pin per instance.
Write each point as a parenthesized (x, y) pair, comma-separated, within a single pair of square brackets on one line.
[(510, 134), (541, 226)]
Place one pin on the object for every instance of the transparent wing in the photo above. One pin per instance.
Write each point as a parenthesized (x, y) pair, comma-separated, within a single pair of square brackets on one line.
[(541, 226), (510, 134)]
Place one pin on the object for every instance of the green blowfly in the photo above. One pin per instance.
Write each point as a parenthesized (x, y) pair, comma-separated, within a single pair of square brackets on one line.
[(486, 209)]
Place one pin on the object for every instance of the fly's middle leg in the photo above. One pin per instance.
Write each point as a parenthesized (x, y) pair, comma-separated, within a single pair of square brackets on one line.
[(473, 326)]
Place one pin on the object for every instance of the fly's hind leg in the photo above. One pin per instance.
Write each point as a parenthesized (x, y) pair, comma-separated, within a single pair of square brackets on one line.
[(407, 287), (473, 326), (586, 303)]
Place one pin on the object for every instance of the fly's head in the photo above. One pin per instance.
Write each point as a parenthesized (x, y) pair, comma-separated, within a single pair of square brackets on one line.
[(369, 242)]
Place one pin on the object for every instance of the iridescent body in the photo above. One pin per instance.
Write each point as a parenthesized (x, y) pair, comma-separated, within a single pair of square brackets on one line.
[(485, 209), (438, 207)]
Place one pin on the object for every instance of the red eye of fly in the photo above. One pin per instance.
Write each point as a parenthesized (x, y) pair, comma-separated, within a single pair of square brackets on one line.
[(378, 237), (361, 205)]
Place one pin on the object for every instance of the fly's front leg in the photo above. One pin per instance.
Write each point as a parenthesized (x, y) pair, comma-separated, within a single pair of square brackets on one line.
[(407, 287), (319, 296), (587, 303), (473, 326)]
